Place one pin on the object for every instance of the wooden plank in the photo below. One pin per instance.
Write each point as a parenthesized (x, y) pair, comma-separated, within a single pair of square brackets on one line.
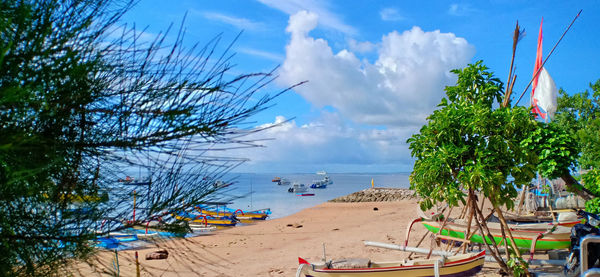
[(452, 238)]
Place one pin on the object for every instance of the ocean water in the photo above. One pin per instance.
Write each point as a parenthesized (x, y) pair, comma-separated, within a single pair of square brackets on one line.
[(259, 192)]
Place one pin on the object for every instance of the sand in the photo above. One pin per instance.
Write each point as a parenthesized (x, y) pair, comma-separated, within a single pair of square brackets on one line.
[(272, 247)]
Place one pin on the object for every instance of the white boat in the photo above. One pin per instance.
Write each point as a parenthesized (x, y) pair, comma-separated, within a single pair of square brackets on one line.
[(284, 182), (321, 184), (202, 229), (321, 172), (298, 188)]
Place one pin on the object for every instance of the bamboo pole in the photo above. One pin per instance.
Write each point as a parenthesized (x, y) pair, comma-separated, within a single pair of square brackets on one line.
[(442, 227), (418, 244), (547, 57)]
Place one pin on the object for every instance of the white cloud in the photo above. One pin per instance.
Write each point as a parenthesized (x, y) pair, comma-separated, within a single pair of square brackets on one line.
[(327, 143), (262, 54), (460, 10), (319, 7), (390, 14), (361, 47), (238, 22), (399, 89)]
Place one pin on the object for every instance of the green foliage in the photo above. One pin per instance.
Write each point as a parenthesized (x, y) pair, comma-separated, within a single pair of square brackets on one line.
[(556, 150), (591, 181), (517, 265), (579, 115), (469, 144), (82, 105)]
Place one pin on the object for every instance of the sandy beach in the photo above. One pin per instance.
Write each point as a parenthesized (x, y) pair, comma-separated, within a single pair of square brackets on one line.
[(272, 247)]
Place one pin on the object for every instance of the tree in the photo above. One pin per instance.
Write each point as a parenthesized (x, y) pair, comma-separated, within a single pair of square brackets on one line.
[(472, 145), (579, 116), (82, 102)]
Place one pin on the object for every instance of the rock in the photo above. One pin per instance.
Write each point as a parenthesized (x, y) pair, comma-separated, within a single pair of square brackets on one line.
[(377, 195), (157, 255)]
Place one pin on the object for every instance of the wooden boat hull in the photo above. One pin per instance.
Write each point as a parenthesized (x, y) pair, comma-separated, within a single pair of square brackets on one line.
[(210, 221), (523, 238), (460, 265), (241, 214)]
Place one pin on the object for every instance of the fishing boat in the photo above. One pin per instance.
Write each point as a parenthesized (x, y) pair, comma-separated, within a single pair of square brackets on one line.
[(563, 218), (276, 179), (219, 211), (114, 240), (321, 184), (305, 194), (459, 265), (220, 184), (206, 219), (199, 229), (284, 182), (297, 188), (533, 237)]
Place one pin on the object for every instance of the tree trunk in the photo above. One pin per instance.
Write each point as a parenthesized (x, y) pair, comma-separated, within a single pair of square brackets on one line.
[(485, 234), (576, 187)]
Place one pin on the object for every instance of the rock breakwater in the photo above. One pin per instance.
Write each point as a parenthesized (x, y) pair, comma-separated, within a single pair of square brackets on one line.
[(377, 195)]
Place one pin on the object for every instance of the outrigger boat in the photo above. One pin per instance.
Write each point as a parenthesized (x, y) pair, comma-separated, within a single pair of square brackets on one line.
[(240, 214), (206, 219), (564, 218), (536, 236), (459, 265)]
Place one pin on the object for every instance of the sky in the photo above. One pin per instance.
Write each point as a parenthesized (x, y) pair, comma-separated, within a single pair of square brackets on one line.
[(375, 69)]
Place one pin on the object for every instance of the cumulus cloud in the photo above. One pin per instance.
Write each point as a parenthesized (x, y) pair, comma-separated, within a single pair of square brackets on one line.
[(319, 7), (399, 89), (328, 143)]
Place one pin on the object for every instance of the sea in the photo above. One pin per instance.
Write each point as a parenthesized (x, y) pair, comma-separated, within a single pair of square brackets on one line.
[(253, 191)]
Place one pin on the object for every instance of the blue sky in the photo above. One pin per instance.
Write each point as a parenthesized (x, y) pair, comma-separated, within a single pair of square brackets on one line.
[(375, 69)]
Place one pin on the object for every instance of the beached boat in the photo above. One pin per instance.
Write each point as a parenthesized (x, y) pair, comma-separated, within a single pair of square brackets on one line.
[(200, 229), (563, 218), (219, 211), (297, 188), (542, 237), (459, 265), (115, 239), (206, 219)]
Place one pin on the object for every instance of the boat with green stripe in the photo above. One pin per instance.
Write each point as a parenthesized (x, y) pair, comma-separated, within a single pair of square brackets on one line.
[(555, 237)]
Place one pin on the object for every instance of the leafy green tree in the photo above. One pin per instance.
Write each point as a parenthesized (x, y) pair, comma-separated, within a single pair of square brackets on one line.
[(82, 102), (471, 145), (579, 115)]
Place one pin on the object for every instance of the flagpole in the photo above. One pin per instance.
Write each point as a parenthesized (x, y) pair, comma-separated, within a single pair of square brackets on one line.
[(545, 60)]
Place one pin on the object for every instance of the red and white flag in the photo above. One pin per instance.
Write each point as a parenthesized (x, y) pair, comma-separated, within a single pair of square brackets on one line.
[(543, 91)]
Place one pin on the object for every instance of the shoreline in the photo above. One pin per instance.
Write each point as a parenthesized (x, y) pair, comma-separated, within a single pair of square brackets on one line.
[(272, 247)]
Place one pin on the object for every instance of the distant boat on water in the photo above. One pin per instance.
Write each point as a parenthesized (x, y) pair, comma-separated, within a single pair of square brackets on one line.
[(321, 172), (321, 184), (284, 182), (298, 188)]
